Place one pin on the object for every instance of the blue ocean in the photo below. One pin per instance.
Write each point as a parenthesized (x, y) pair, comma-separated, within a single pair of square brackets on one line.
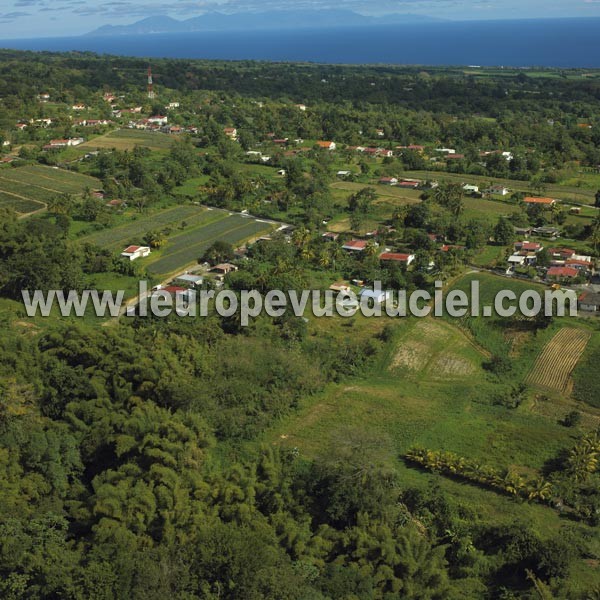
[(518, 43)]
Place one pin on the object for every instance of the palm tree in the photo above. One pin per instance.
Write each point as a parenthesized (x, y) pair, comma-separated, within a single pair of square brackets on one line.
[(300, 237), (512, 483), (324, 259), (582, 461), (61, 204), (335, 253), (595, 238), (306, 254), (540, 489), (371, 248)]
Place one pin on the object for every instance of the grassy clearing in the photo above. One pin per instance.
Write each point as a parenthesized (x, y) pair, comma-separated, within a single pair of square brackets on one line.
[(389, 198), (383, 191), (494, 333), (191, 186), (417, 403), (128, 139), (570, 193), (435, 350), (490, 256)]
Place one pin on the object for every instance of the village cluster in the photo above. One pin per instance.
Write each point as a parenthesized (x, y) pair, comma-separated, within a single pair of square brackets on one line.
[(549, 262)]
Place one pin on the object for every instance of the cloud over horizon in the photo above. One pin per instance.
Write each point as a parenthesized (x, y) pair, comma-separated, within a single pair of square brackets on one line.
[(29, 18)]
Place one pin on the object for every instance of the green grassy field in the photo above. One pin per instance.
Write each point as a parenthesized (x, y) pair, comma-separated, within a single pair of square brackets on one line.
[(128, 139), (390, 198), (27, 189), (430, 389), (569, 192), (190, 187)]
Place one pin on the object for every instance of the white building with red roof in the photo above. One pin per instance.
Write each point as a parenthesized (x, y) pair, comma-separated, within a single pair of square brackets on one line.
[(135, 252)]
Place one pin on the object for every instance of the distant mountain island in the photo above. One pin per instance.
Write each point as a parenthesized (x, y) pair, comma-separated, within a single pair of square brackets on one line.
[(284, 19)]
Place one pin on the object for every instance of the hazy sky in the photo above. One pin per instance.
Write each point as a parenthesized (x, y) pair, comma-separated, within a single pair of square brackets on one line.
[(46, 18)]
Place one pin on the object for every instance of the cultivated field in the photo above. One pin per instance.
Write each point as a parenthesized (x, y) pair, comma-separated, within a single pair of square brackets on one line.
[(187, 247), (30, 188), (133, 231), (553, 368), (128, 139)]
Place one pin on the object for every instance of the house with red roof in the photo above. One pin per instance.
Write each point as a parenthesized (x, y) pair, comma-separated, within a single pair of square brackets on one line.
[(526, 246), (562, 273), (411, 184), (372, 151), (355, 245), (539, 201), (561, 254), (115, 203), (413, 147), (580, 262), (326, 145), (398, 257), (135, 252)]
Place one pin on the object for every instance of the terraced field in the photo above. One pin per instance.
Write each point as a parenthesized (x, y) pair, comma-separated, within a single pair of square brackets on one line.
[(187, 247), (555, 364), (30, 188)]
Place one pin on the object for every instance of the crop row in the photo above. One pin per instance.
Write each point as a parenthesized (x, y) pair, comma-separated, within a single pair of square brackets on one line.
[(27, 190), (21, 205), (61, 180), (187, 248), (133, 232), (555, 364)]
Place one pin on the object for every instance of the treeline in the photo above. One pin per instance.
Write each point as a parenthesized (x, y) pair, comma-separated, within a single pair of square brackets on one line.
[(570, 484), (542, 121)]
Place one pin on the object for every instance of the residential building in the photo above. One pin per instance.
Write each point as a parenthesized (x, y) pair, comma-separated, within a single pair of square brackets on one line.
[(589, 301), (135, 252), (540, 201), (398, 257), (355, 245), (326, 145)]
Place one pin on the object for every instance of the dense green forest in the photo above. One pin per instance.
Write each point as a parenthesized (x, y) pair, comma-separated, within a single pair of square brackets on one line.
[(299, 459)]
